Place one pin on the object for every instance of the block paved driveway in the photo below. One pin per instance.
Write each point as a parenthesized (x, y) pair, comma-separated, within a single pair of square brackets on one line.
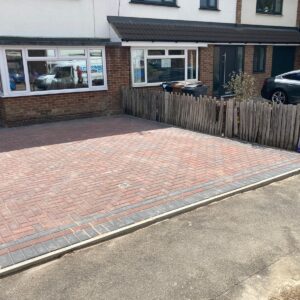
[(66, 182)]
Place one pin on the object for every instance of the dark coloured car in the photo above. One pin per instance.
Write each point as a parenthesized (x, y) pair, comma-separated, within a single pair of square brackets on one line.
[(284, 88)]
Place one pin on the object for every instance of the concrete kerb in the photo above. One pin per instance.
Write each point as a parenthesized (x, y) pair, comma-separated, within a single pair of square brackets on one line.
[(139, 225)]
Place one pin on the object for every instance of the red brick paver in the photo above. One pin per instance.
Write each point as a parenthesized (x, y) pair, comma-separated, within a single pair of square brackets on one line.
[(66, 182)]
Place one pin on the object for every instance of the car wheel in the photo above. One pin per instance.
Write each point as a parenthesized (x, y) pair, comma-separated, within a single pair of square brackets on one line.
[(279, 96)]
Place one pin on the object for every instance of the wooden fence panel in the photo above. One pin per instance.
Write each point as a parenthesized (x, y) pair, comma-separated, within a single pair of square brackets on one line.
[(274, 125)]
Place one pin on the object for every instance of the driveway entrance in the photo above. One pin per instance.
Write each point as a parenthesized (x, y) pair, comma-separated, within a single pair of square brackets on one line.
[(67, 182)]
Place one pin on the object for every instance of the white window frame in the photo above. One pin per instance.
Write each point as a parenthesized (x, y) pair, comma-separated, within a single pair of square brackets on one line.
[(146, 57), (27, 92)]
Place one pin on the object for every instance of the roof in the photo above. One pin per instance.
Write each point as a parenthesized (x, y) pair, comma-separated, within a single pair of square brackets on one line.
[(162, 30), (39, 41)]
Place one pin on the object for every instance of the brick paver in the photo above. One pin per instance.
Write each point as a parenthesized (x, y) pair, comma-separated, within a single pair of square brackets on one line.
[(66, 182)]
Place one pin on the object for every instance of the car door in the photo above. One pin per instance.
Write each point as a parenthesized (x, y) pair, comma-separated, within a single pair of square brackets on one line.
[(291, 83)]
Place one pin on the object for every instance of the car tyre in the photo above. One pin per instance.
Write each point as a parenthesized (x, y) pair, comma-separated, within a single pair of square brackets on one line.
[(279, 97)]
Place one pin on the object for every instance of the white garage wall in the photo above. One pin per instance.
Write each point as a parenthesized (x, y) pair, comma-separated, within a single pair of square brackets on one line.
[(288, 18)]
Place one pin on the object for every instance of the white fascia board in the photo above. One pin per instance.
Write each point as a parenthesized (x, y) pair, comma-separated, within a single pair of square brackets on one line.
[(253, 44), (164, 44)]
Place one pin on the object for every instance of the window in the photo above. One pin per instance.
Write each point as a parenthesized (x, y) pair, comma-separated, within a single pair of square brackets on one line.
[(42, 71), (273, 7), (293, 76), (154, 66), (156, 2), (1, 86), (259, 59), (192, 64), (209, 4), (14, 59)]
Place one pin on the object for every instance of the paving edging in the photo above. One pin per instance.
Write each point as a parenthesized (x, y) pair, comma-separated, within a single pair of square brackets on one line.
[(139, 225)]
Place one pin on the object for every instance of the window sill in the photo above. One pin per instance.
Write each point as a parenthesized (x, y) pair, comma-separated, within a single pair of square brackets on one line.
[(154, 3), (269, 14), (259, 72), (54, 92), (208, 8)]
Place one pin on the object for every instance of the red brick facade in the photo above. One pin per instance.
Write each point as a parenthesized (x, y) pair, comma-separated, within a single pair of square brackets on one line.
[(206, 62), (36, 109), (248, 65), (238, 11), (297, 59)]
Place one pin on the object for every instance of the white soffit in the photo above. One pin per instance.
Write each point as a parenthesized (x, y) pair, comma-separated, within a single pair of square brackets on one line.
[(163, 44)]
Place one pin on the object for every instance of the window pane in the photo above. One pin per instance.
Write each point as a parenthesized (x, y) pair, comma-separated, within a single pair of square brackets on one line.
[(57, 75), (156, 52), (96, 63), (192, 64), (41, 53), (16, 70), (138, 62), (1, 86), (259, 59), (240, 59), (166, 69), (269, 6), (208, 3), (96, 53), (176, 52), (294, 76), (72, 52)]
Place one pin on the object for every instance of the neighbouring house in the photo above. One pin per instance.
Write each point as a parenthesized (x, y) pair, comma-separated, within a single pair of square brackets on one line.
[(68, 59)]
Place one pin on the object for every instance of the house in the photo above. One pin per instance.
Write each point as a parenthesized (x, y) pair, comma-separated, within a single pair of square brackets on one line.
[(67, 59)]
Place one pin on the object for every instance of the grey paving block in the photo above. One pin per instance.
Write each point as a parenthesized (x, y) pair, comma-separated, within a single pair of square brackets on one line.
[(5, 261), (72, 239), (17, 256), (62, 242), (40, 249), (30, 252), (91, 232), (81, 235), (51, 245), (101, 229)]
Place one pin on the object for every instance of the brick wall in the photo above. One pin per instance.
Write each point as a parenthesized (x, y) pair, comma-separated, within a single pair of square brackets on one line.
[(206, 62), (36, 109), (248, 66), (298, 14), (239, 11)]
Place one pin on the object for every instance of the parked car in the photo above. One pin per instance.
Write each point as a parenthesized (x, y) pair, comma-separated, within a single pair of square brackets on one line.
[(18, 77), (284, 88)]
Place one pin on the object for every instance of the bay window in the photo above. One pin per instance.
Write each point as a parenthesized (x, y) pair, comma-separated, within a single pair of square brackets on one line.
[(154, 66), (53, 70)]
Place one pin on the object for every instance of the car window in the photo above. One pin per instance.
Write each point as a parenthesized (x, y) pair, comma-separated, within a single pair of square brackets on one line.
[(294, 76)]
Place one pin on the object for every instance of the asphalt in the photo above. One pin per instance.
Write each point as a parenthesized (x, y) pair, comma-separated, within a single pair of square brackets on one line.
[(244, 247)]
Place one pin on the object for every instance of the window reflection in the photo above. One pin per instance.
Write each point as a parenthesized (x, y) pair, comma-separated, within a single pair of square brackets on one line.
[(16, 70), (96, 62), (166, 69), (56, 75)]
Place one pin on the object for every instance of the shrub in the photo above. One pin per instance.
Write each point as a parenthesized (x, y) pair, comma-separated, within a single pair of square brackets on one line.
[(242, 85)]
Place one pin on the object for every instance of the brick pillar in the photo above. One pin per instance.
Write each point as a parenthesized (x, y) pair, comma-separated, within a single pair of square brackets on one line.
[(206, 62), (297, 59), (239, 11), (298, 15), (248, 67)]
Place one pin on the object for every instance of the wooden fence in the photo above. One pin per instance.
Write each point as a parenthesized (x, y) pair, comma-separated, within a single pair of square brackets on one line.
[(259, 122)]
